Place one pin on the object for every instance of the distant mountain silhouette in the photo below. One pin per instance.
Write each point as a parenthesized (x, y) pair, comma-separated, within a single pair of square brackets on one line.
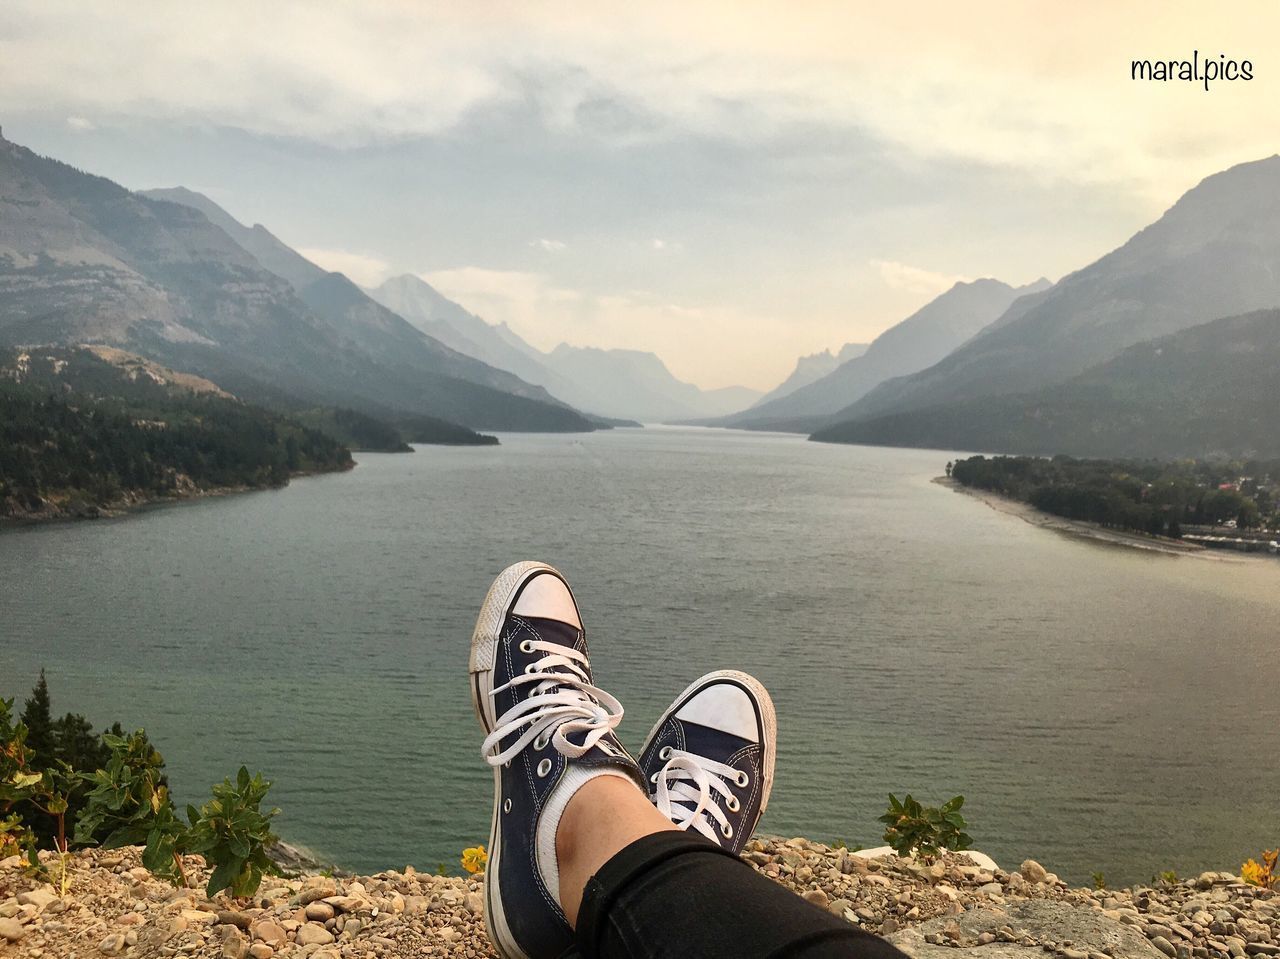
[(1216, 252), (363, 325), (1210, 390), (811, 368), (627, 384), (638, 385), (920, 340)]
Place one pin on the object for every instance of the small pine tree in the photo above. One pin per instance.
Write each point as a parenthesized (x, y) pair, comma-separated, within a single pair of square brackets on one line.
[(38, 718)]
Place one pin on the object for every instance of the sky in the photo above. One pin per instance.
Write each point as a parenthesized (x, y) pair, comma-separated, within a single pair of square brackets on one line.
[(730, 185)]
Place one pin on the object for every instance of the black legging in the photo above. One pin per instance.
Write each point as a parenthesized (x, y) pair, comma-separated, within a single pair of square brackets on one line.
[(672, 894)]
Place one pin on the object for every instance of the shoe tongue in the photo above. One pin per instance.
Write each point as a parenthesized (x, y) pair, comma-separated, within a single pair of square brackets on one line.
[(554, 631), (712, 743)]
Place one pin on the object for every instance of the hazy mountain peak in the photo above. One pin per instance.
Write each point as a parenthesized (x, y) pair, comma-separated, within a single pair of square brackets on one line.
[(1215, 252), (916, 342)]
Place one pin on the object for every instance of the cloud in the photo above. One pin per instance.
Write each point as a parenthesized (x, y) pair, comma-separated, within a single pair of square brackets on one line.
[(548, 246), (81, 124), (1006, 84), (364, 269), (914, 279)]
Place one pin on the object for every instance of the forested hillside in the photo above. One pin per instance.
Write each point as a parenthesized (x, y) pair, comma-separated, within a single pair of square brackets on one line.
[(68, 450)]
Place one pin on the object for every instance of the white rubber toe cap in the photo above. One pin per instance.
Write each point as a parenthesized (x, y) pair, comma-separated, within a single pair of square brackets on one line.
[(546, 596), (725, 707)]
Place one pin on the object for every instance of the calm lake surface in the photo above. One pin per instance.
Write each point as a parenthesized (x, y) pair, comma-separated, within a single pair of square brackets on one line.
[(1099, 707)]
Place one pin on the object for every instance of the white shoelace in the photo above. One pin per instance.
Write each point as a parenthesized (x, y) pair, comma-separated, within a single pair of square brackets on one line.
[(563, 702), (678, 799)]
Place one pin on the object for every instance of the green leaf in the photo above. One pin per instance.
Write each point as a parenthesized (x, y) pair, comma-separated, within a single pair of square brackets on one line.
[(224, 876)]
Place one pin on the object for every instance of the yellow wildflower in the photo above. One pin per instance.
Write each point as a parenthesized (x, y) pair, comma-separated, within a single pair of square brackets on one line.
[(1263, 874), (474, 859)]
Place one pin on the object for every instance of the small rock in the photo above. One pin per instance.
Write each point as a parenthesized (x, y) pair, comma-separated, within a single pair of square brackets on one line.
[(345, 903), (272, 933), (322, 889), (11, 930), (1164, 945), (1032, 871), (313, 934), (233, 918), (817, 897), (260, 950), (319, 911), (36, 897), (113, 944), (130, 919), (235, 946), (474, 903)]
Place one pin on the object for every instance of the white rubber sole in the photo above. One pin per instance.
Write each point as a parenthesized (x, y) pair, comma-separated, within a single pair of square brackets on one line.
[(484, 650), (768, 718)]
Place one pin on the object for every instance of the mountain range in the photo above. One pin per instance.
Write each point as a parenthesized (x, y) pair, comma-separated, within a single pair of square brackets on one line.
[(810, 369), (83, 260), (923, 338), (1210, 390), (626, 384), (1214, 253), (1170, 332)]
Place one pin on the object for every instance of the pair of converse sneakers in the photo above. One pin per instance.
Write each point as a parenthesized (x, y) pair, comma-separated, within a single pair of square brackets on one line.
[(707, 764)]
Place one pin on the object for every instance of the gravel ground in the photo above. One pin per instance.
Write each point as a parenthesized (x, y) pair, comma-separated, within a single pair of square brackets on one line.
[(953, 907)]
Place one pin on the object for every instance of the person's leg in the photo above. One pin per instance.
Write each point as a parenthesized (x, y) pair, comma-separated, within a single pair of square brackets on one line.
[(573, 825), (588, 836), (671, 893)]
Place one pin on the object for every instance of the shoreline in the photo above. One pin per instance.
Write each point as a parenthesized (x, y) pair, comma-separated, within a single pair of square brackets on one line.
[(1080, 529), (131, 504)]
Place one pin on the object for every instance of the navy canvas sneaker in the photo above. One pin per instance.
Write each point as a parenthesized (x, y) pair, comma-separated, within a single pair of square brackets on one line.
[(708, 761), (549, 730)]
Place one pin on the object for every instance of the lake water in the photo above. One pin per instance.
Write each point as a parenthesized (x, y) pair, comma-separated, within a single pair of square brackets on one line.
[(1099, 707)]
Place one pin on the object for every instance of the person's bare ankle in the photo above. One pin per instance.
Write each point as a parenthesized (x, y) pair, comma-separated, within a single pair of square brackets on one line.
[(604, 816)]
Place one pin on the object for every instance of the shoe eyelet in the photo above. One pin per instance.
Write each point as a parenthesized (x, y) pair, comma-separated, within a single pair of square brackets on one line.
[(742, 779), (654, 778), (506, 806), (531, 668), (507, 764), (727, 831), (664, 752), (541, 742), (526, 646), (732, 804), (544, 767)]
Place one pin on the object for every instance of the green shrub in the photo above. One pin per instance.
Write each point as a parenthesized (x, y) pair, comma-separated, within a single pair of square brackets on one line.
[(129, 804), (233, 834), (18, 784), (925, 830)]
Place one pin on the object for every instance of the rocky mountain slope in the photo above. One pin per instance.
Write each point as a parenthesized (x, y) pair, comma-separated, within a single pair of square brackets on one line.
[(625, 384), (811, 368), (84, 260), (1210, 390), (1214, 253), (920, 340)]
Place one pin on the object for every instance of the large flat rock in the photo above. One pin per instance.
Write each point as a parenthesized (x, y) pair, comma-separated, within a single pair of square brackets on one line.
[(1044, 921)]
